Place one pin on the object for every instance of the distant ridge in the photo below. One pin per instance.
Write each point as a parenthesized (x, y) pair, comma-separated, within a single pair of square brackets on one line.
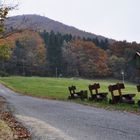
[(40, 23)]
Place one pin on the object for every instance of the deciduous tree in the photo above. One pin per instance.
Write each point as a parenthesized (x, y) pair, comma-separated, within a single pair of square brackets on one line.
[(84, 59)]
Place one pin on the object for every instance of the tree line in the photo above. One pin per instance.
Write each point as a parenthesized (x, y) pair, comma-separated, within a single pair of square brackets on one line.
[(56, 54)]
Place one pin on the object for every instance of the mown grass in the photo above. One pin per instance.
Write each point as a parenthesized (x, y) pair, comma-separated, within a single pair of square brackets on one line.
[(57, 88)]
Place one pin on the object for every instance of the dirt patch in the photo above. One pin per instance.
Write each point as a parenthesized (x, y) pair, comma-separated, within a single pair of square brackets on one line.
[(10, 128)]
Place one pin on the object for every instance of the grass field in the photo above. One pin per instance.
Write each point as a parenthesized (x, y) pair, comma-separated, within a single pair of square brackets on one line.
[(57, 88)]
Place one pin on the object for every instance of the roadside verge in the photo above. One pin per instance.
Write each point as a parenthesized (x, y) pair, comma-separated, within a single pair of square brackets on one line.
[(10, 128)]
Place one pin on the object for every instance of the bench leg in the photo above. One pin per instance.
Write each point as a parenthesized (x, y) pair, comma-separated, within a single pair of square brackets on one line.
[(139, 103)]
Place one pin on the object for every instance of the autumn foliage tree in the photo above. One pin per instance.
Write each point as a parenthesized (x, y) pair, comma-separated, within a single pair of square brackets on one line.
[(84, 59), (27, 53), (121, 56), (4, 10), (4, 49), (4, 55)]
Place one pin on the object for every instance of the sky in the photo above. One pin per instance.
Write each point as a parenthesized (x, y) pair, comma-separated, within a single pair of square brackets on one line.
[(116, 19)]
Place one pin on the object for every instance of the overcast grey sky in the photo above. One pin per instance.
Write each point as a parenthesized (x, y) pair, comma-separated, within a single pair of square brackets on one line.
[(117, 19)]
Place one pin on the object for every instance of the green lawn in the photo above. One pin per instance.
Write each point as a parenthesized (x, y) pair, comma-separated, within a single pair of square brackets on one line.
[(57, 88)]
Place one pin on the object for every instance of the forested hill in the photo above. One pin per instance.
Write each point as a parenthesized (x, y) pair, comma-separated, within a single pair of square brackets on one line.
[(27, 49), (40, 23)]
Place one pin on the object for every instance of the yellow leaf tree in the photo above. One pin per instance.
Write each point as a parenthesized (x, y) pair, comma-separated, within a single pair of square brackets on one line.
[(4, 49)]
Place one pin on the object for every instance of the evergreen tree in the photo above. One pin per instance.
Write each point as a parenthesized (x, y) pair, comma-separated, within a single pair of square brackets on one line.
[(54, 43)]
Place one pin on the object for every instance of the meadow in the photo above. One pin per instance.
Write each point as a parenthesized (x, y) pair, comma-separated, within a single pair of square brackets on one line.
[(57, 88)]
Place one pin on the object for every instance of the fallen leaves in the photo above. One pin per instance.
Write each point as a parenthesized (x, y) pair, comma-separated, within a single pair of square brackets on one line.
[(19, 131)]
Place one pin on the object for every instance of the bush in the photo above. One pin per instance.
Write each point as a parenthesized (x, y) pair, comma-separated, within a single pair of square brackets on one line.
[(4, 74)]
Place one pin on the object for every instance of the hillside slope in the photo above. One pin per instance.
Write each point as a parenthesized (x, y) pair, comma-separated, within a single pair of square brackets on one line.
[(40, 23)]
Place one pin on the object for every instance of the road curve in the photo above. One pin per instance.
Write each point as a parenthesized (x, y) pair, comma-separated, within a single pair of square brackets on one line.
[(57, 120)]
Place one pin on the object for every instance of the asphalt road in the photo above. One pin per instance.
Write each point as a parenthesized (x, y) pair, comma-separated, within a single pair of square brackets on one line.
[(57, 120)]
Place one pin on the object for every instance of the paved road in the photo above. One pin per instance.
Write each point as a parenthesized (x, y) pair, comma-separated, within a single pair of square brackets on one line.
[(56, 120)]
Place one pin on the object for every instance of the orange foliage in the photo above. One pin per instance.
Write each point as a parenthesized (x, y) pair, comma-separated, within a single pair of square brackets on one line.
[(90, 59), (23, 35), (118, 48)]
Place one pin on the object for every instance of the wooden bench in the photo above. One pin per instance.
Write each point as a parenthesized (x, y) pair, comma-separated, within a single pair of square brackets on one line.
[(120, 98), (98, 96), (74, 95), (115, 98), (138, 89)]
